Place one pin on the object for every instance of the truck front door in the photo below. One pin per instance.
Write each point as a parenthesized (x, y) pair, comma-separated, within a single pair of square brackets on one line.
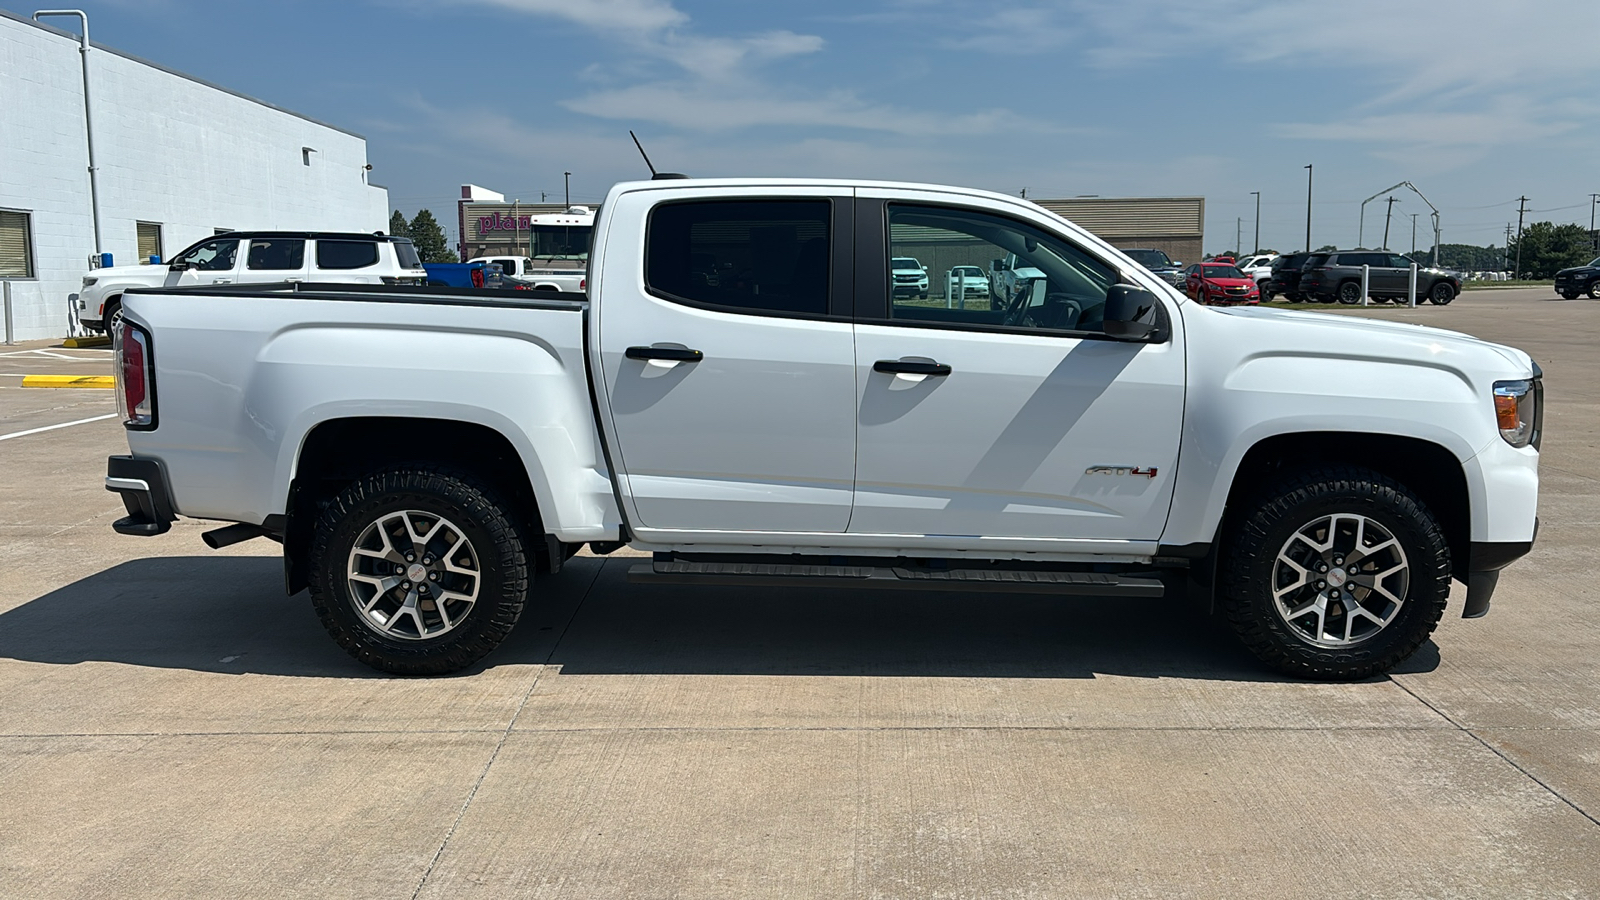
[(728, 362), (1019, 422)]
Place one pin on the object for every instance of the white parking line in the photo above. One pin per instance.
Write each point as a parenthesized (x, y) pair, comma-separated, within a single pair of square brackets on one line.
[(17, 434)]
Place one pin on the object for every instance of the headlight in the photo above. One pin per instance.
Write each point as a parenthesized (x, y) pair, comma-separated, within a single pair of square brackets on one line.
[(88, 281), (1516, 411)]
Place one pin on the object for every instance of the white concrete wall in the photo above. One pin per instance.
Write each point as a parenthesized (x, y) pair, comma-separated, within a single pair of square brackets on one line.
[(169, 149)]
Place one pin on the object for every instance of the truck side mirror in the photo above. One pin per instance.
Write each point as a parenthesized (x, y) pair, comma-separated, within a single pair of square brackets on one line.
[(1131, 313), (998, 265)]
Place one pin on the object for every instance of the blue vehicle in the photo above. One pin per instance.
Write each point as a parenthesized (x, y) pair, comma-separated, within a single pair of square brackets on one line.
[(465, 275)]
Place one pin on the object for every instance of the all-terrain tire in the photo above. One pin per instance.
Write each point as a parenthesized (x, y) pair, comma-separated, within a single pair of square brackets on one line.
[(1256, 537), (497, 559)]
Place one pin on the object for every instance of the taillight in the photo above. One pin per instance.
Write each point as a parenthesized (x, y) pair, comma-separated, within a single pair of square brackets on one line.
[(135, 377), (477, 278), (583, 284)]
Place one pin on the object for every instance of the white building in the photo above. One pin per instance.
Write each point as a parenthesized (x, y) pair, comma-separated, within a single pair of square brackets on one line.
[(177, 159)]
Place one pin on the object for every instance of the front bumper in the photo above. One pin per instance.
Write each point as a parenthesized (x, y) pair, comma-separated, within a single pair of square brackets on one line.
[(1486, 560), (142, 482)]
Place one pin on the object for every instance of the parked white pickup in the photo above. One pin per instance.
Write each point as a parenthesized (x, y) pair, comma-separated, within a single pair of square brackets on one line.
[(745, 393)]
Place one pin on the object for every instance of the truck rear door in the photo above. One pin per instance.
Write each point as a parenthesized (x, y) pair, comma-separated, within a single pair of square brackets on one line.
[(728, 360)]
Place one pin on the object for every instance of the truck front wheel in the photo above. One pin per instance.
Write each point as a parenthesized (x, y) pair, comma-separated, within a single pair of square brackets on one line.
[(418, 571), (1337, 573)]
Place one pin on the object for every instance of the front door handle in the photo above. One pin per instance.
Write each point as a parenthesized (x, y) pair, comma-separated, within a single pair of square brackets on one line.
[(910, 367), (674, 354)]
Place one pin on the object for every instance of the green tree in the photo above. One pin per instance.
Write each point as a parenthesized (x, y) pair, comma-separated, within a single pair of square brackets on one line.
[(1547, 247), (428, 235), (1465, 257), (398, 226), (1326, 248)]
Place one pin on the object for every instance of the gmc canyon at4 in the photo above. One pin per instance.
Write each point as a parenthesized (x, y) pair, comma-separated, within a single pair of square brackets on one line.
[(794, 419)]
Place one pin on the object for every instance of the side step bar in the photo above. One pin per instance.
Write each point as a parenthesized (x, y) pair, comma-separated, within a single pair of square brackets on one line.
[(1027, 581)]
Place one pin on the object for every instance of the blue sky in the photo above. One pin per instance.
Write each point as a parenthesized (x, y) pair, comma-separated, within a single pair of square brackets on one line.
[(1475, 102)]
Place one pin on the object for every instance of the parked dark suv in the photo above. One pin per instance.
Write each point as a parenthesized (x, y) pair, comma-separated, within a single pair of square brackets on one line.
[(1579, 280), (1338, 277), (1285, 278)]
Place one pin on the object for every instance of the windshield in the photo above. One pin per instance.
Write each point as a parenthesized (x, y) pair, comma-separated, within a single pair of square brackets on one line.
[(1149, 258), (559, 241), (1222, 272), (905, 262), (1595, 263)]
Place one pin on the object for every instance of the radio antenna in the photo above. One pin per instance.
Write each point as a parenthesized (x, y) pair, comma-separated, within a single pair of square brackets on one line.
[(654, 175), (642, 153)]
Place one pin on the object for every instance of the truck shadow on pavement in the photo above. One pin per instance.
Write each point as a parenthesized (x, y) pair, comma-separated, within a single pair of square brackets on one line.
[(228, 615)]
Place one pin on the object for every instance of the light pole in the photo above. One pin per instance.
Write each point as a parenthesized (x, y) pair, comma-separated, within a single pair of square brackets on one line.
[(1308, 208), (88, 122), (1258, 221), (1414, 235), (568, 177)]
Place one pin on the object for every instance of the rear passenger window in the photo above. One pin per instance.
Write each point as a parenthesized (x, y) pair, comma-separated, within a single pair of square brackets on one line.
[(277, 253), (346, 254), (748, 255)]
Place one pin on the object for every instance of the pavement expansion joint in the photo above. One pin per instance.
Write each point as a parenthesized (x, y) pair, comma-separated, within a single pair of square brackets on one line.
[(1496, 751), (504, 735)]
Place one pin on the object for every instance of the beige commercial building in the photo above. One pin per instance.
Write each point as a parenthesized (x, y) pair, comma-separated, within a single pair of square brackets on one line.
[(490, 225), (1173, 224)]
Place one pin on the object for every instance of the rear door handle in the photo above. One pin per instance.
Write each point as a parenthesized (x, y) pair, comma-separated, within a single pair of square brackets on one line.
[(910, 367), (674, 354)]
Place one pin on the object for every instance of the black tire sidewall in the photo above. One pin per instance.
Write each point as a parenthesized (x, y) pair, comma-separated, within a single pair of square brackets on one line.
[(1248, 590), (1441, 297), (502, 563), (1354, 300)]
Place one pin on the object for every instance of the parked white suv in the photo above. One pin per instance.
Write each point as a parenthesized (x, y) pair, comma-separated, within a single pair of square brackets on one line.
[(1257, 268), (260, 257), (909, 277)]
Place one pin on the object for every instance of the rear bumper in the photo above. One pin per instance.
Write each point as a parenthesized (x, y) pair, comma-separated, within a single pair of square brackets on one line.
[(142, 483)]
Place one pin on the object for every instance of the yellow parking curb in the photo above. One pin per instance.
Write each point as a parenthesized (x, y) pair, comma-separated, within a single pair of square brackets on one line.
[(92, 340), (69, 381)]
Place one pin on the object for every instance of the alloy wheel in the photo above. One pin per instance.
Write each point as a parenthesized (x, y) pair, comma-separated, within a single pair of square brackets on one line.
[(413, 575), (1339, 580)]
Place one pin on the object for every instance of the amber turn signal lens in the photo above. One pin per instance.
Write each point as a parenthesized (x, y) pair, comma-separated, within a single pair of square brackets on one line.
[(1505, 412)]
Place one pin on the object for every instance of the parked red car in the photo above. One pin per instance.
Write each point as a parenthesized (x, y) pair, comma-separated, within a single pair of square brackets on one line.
[(1220, 283)]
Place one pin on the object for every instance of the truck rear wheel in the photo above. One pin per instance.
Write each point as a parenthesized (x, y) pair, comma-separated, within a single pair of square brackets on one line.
[(418, 571), (1339, 573)]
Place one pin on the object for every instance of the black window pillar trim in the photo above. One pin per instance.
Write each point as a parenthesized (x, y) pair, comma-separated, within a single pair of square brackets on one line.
[(871, 259)]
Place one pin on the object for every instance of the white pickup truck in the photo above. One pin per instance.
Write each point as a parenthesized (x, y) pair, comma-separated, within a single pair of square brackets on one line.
[(742, 393)]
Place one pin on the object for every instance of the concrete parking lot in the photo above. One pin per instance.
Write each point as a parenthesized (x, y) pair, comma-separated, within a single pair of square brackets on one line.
[(172, 725)]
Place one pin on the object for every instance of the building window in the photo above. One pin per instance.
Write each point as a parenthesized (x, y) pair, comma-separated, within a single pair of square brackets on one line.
[(16, 244), (149, 241)]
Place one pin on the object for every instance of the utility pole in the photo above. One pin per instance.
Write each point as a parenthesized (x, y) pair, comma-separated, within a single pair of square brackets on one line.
[(1593, 238), (1308, 208), (1387, 215), (1258, 221), (1024, 193), (1238, 236), (1505, 256), (1522, 207), (568, 177), (1414, 236), (541, 196)]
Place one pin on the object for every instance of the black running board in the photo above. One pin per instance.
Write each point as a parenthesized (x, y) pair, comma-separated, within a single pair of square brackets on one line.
[(1026, 581)]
